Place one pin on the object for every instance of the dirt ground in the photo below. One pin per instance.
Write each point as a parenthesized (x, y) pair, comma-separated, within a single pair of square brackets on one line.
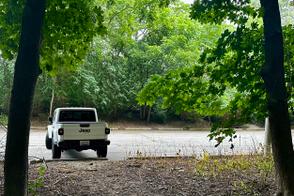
[(160, 176)]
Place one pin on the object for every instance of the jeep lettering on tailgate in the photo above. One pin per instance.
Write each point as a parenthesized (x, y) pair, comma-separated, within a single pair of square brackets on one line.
[(85, 130)]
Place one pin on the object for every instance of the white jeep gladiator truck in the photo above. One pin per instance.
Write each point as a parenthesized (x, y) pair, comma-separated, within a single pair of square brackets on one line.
[(76, 128)]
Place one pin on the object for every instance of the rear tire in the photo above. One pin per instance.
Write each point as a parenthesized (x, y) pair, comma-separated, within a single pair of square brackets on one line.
[(102, 151), (56, 151), (48, 142)]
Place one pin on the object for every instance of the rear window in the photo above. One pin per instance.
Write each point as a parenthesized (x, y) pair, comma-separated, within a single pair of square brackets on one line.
[(77, 115)]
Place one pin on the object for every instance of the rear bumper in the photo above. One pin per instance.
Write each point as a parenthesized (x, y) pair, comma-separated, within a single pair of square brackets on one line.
[(75, 144)]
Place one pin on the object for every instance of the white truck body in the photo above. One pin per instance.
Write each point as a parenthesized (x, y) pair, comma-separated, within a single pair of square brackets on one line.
[(73, 131), (77, 128)]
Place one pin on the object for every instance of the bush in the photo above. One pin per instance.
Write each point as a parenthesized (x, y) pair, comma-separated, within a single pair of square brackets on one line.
[(159, 116), (38, 180), (3, 119)]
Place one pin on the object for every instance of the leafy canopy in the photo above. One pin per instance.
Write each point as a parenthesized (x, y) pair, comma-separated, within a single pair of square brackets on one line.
[(69, 28), (231, 84)]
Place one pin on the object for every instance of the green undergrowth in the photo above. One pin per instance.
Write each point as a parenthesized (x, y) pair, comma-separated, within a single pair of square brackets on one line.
[(247, 174), (3, 119), (217, 165), (38, 180)]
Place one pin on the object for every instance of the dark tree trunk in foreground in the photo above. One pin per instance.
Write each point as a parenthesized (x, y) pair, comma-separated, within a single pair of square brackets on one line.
[(273, 75), (25, 78)]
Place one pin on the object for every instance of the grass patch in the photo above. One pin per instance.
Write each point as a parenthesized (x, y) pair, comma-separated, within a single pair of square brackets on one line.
[(217, 165), (3, 119), (247, 174)]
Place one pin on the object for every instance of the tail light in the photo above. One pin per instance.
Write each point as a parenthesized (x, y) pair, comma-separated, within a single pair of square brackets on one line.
[(60, 131), (107, 130)]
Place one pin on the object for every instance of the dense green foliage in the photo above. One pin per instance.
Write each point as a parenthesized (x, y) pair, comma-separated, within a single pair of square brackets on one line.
[(227, 79), (143, 38), (6, 73), (69, 28), (151, 54)]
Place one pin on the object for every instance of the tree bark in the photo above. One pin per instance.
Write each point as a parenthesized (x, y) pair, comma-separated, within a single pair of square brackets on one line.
[(143, 112), (25, 77), (273, 75), (52, 101), (267, 138), (149, 114)]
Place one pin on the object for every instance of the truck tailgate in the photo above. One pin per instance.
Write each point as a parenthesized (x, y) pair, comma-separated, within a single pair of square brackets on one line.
[(84, 131)]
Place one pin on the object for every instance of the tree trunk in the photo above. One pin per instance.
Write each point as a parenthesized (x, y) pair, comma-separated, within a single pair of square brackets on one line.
[(273, 75), (149, 114), (143, 112), (25, 77), (267, 138), (51, 102)]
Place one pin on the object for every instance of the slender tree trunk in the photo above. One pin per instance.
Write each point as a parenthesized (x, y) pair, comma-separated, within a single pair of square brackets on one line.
[(143, 112), (25, 77), (273, 75), (51, 102), (267, 138), (149, 114)]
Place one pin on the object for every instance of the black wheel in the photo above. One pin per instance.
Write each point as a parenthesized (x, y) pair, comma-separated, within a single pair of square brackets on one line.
[(102, 151), (48, 142), (56, 151)]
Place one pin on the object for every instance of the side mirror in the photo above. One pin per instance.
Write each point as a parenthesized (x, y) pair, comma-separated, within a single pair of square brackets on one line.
[(50, 119)]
